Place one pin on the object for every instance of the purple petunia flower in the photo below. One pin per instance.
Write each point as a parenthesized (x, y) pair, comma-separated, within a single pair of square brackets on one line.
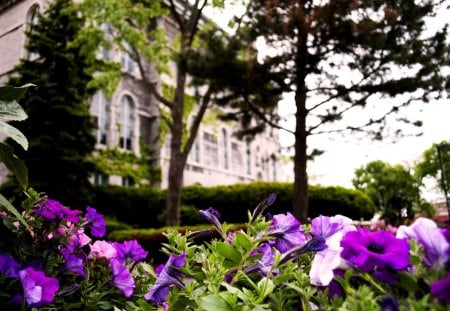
[(287, 231), (39, 289), (389, 303), (212, 215), (379, 249), (427, 233), (130, 251), (264, 265), (96, 221), (441, 289), (53, 210), (122, 278), (332, 229), (74, 262), (168, 276), (8, 266)]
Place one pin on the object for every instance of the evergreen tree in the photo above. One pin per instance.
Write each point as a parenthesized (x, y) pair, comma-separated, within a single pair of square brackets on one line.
[(59, 128), (336, 58)]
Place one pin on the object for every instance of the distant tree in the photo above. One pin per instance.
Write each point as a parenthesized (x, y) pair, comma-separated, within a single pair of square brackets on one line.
[(60, 128), (337, 58), (393, 189), (431, 166)]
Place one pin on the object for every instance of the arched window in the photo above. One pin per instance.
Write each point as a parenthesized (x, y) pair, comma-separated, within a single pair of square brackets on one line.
[(126, 123), (32, 20), (224, 149), (100, 112)]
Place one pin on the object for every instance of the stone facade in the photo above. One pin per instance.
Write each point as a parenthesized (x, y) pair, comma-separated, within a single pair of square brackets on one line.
[(132, 116)]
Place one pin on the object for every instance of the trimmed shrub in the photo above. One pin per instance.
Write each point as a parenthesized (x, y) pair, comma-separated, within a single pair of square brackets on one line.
[(143, 207)]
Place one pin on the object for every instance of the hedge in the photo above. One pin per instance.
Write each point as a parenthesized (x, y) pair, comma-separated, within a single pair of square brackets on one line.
[(144, 207)]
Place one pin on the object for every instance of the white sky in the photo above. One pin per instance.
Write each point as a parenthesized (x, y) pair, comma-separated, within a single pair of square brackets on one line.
[(344, 154)]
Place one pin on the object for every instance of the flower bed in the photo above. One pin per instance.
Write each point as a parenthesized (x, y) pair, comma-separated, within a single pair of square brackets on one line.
[(54, 258)]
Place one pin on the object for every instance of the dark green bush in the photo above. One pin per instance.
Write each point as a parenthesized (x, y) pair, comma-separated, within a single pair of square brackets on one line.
[(143, 207), (138, 207)]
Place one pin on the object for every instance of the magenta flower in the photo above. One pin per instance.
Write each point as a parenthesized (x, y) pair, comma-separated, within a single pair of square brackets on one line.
[(441, 289), (287, 231), (96, 222), (427, 233), (53, 210), (122, 278), (168, 276), (77, 240), (130, 251), (379, 250), (102, 249), (39, 289), (8, 266)]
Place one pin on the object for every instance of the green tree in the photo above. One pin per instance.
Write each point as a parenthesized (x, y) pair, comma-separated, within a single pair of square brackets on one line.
[(59, 128), (135, 29), (431, 166), (393, 189), (337, 58)]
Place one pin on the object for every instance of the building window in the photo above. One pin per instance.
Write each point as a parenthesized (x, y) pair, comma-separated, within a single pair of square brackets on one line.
[(32, 21), (210, 149), (105, 51), (236, 157), (101, 179), (127, 181), (248, 154), (126, 123), (274, 168), (100, 111), (125, 59), (194, 154), (223, 149)]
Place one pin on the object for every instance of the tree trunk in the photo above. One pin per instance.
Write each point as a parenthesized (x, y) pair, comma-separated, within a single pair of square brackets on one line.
[(177, 157), (175, 184), (300, 195)]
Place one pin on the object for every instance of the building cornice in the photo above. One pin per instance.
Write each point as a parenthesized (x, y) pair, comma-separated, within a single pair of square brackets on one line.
[(4, 4)]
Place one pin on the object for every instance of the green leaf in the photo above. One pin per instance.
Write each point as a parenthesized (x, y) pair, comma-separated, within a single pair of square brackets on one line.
[(10, 93), (242, 240), (14, 164), (12, 111), (4, 202), (214, 302), (14, 133), (229, 252), (265, 287)]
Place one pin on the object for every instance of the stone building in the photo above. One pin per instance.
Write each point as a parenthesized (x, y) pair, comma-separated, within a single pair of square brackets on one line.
[(217, 156)]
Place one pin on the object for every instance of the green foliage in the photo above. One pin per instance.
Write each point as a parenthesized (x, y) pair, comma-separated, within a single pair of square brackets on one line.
[(141, 207), (10, 110), (113, 161), (393, 189), (429, 165), (60, 127)]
